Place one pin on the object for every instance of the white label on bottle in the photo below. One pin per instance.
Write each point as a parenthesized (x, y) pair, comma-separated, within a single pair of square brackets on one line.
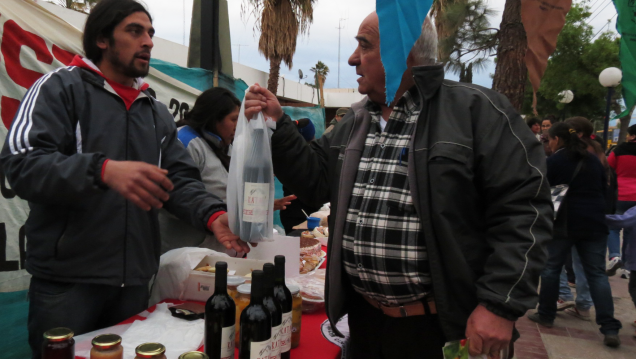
[(285, 333), (255, 202), (227, 342), (275, 352), (260, 350)]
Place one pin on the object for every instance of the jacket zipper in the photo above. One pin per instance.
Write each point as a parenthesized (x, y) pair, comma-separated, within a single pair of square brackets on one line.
[(123, 282)]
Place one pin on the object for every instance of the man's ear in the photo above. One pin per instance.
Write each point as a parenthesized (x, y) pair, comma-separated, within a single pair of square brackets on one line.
[(102, 43)]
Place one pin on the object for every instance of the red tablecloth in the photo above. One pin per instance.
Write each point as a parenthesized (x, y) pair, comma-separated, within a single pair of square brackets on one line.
[(312, 344)]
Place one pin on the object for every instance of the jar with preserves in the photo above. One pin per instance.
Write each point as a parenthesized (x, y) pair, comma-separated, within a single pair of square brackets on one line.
[(297, 312), (233, 283), (150, 350), (58, 344), (242, 300), (194, 355), (107, 346)]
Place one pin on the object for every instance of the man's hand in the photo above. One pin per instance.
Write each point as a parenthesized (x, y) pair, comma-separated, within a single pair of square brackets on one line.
[(281, 203), (143, 184), (488, 333), (221, 229), (261, 99)]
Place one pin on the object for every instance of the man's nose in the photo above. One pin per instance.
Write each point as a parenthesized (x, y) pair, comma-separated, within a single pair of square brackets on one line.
[(354, 59), (148, 42)]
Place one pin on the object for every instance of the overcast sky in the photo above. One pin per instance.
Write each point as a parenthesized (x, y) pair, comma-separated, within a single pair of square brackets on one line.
[(171, 17)]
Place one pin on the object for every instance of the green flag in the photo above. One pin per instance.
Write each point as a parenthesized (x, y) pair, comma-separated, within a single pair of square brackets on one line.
[(626, 27)]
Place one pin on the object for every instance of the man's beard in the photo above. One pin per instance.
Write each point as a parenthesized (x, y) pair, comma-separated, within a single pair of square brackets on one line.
[(128, 70)]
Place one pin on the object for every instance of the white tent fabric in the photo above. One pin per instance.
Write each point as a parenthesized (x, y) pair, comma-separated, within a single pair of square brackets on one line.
[(34, 42)]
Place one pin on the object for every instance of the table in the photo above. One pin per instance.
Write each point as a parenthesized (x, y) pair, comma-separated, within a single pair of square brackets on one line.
[(312, 343)]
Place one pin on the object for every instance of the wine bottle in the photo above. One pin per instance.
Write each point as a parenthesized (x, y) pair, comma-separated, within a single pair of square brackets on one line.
[(283, 296), (257, 180), (274, 308), (256, 323), (220, 318)]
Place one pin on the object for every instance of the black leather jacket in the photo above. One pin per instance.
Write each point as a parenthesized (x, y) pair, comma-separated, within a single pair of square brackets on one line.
[(477, 176)]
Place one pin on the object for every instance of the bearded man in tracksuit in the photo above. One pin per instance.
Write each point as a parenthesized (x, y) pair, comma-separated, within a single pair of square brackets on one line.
[(96, 157)]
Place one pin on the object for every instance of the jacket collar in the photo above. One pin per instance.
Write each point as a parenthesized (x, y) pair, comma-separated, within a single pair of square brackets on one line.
[(87, 64), (428, 79)]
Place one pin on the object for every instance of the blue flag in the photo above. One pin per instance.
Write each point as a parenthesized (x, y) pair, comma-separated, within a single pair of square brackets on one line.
[(400, 26)]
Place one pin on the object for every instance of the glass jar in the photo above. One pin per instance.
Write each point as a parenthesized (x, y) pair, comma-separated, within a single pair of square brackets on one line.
[(58, 344), (233, 283), (242, 300), (107, 346), (150, 350), (194, 355), (297, 312)]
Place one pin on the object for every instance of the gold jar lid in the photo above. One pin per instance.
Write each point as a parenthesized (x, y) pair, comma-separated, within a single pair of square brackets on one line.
[(148, 350), (106, 341), (58, 334), (194, 355)]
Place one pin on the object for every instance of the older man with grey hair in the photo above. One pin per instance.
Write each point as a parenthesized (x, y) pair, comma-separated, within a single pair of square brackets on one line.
[(440, 207)]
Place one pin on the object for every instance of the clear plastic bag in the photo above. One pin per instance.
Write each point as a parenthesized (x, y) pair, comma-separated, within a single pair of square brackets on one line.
[(250, 185)]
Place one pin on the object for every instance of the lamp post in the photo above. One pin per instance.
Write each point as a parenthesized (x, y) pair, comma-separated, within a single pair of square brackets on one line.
[(566, 97), (610, 78)]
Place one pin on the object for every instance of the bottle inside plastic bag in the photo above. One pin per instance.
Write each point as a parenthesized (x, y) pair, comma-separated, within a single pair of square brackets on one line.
[(250, 189)]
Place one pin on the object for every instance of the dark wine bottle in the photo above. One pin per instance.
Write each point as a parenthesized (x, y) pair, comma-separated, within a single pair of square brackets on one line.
[(220, 318), (284, 297), (256, 323), (257, 179), (274, 308)]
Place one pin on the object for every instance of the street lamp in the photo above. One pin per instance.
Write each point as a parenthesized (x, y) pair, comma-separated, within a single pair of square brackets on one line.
[(565, 98), (610, 78)]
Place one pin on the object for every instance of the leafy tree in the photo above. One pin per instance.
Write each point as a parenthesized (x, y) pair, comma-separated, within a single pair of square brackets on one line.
[(470, 47), (280, 22), (320, 74), (575, 65)]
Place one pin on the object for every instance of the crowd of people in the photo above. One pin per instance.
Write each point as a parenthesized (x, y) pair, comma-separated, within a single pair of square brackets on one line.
[(441, 219), (587, 225)]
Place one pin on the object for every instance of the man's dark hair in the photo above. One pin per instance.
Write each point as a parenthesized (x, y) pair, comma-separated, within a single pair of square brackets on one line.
[(532, 120), (101, 23), (631, 130), (552, 118)]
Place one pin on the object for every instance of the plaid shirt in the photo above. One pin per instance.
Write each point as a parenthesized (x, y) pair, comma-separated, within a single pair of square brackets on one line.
[(383, 248)]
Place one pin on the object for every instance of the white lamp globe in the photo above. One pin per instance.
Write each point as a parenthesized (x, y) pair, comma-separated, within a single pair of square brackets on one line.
[(610, 77), (566, 96)]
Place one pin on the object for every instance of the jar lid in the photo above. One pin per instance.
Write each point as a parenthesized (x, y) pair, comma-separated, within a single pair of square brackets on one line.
[(106, 341), (148, 350), (244, 288), (194, 355), (294, 289), (58, 334), (235, 280)]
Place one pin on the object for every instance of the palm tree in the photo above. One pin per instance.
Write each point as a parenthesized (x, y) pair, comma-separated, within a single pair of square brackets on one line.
[(280, 22), (511, 72), (83, 6), (321, 71)]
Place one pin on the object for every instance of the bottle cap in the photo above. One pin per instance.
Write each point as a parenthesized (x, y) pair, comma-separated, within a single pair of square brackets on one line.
[(106, 341), (148, 350), (194, 355), (58, 334)]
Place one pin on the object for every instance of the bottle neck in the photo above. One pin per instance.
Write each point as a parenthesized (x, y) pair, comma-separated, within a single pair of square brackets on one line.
[(220, 283), (257, 294), (279, 275)]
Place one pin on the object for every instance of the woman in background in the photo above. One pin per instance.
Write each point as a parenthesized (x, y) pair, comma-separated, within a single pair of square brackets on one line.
[(580, 224)]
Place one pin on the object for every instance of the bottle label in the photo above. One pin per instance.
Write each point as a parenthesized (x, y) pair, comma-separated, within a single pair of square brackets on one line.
[(285, 333), (275, 352), (227, 342), (255, 202), (260, 350)]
